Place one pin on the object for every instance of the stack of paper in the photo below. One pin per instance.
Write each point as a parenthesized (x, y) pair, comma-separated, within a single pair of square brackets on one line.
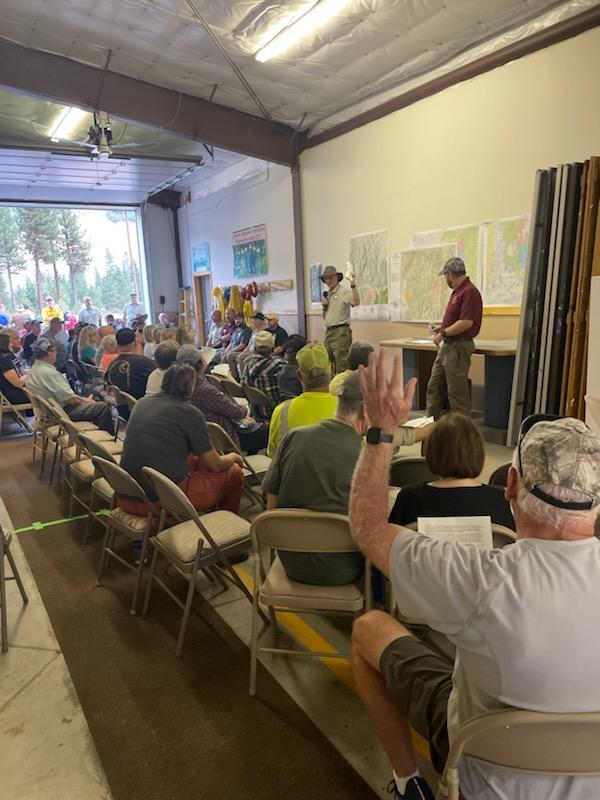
[(418, 422), (461, 530)]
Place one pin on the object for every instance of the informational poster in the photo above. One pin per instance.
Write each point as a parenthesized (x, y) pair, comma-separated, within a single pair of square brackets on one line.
[(424, 293), (505, 244), (201, 257), (368, 257), (469, 245), (316, 285), (250, 252)]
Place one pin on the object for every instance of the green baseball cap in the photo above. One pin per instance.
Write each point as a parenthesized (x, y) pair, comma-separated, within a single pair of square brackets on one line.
[(313, 356)]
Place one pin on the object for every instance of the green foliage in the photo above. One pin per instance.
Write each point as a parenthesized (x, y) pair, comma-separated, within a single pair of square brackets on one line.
[(28, 294), (12, 252), (114, 288), (74, 250)]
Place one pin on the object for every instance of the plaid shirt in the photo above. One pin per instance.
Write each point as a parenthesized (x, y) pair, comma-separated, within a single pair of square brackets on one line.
[(218, 407), (262, 372)]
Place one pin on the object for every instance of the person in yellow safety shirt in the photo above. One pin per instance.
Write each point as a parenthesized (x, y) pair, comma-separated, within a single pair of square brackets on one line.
[(50, 311), (314, 404)]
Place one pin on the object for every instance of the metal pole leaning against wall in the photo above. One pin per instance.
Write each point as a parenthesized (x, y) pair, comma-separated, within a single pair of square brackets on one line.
[(298, 248)]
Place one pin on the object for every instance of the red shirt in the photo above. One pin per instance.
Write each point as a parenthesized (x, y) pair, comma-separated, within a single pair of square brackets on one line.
[(465, 303)]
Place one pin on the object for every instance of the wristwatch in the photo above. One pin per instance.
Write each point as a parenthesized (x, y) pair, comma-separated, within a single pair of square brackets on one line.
[(377, 436)]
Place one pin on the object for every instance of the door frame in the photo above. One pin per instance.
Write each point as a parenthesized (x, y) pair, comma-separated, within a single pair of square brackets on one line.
[(199, 310)]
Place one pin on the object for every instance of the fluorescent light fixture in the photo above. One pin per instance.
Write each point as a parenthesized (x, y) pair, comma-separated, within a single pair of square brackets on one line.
[(314, 19), (68, 118)]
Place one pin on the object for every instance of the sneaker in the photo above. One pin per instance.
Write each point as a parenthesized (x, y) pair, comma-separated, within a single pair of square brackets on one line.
[(416, 789)]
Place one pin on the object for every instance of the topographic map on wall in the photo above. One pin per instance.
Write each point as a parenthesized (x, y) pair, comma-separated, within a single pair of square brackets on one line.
[(423, 293), (505, 244), (469, 243), (368, 255)]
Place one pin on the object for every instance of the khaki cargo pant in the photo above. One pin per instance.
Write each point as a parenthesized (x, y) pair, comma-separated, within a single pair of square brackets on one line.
[(448, 387), (338, 341)]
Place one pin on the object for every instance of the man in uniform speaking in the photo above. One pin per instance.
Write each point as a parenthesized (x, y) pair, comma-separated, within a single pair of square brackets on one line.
[(337, 303), (448, 387)]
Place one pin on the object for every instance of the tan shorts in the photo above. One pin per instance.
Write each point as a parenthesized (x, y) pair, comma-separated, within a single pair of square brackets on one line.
[(420, 681)]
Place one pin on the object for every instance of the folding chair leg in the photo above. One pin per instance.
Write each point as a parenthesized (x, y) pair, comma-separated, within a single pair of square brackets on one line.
[(254, 637), (140, 571), (88, 524), (103, 553), (3, 614), (16, 576), (150, 581), (186, 610)]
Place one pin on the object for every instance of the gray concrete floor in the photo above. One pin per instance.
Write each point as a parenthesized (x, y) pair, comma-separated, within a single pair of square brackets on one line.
[(44, 738)]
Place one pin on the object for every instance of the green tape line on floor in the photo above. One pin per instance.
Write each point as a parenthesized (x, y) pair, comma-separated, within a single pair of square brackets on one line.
[(39, 526)]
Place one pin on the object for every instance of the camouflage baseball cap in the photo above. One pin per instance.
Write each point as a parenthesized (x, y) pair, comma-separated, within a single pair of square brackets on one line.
[(563, 452), (455, 265)]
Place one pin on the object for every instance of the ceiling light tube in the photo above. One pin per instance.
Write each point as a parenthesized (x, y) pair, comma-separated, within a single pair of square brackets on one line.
[(314, 19), (66, 121)]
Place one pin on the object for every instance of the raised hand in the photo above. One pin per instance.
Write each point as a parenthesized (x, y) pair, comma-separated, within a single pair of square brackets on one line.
[(386, 404)]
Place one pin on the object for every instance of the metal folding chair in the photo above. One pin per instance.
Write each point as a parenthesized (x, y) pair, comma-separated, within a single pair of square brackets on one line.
[(259, 401), (197, 542), (6, 532), (215, 381), (255, 467), (6, 407), (133, 526), (499, 476), (232, 388), (100, 489), (404, 471), (528, 741), (301, 531)]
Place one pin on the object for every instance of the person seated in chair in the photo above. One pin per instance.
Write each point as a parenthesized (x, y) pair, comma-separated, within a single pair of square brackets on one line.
[(314, 404), (45, 380), (12, 377), (129, 371), (164, 355), (313, 469), (523, 618), (260, 369), (166, 432), (455, 453), (289, 382)]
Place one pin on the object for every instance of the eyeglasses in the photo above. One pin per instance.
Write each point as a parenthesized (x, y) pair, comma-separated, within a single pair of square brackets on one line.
[(526, 426)]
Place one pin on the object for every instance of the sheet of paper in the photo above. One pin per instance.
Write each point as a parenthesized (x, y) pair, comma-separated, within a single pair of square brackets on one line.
[(418, 422), (420, 340), (461, 530)]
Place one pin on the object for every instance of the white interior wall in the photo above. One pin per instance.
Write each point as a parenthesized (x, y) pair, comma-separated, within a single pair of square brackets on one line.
[(264, 199), (161, 261), (465, 155)]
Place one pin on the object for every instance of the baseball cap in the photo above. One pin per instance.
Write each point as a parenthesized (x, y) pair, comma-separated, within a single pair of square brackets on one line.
[(272, 315), (190, 354), (125, 336), (41, 346), (259, 315), (264, 341), (565, 453), (313, 356), (350, 389), (455, 265)]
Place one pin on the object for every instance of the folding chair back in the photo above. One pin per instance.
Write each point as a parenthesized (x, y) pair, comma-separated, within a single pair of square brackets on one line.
[(6, 531), (215, 381), (256, 397), (532, 741), (121, 481), (232, 388), (95, 448), (6, 407), (170, 496), (499, 477), (502, 535), (220, 439), (36, 405), (126, 399), (56, 409), (404, 471), (298, 531)]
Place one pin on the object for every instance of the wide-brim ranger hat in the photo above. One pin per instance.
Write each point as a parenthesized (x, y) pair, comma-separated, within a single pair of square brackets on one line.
[(330, 270)]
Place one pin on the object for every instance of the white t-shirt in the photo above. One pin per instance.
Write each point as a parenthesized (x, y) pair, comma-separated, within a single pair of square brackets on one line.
[(525, 621), (154, 382)]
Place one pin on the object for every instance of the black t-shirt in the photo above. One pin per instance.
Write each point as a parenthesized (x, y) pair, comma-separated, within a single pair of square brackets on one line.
[(289, 382), (421, 500), (280, 334), (8, 361), (27, 342), (161, 433), (129, 372)]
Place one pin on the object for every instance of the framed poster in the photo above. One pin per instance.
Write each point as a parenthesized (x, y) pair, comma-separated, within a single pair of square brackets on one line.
[(201, 257), (250, 252)]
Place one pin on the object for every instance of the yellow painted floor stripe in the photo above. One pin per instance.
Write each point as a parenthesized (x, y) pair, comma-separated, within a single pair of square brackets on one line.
[(314, 642)]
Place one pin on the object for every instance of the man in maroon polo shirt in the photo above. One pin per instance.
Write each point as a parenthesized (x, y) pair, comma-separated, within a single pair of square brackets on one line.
[(448, 387)]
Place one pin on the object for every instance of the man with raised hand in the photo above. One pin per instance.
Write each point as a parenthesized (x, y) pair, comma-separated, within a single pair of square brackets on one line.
[(523, 619)]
